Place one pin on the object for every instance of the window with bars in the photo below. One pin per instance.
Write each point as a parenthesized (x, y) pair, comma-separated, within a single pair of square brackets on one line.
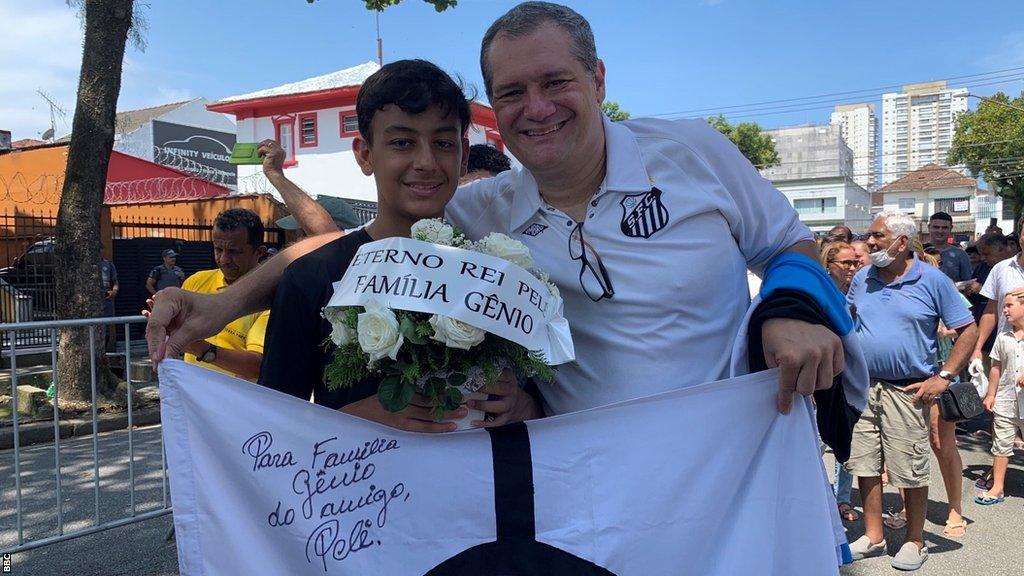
[(907, 203), (349, 124), (954, 205), (307, 130)]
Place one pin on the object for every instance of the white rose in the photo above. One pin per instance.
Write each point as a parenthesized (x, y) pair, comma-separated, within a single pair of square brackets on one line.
[(455, 334), (341, 334), (501, 246), (434, 231), (378, 332), (546, 279)]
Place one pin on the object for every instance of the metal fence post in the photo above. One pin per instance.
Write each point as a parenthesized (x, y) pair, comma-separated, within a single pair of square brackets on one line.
[(95, 422), (131, 422), (17, 440), (56, 428)]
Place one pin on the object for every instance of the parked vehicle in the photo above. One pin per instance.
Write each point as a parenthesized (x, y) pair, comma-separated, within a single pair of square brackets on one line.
[(31, 274)]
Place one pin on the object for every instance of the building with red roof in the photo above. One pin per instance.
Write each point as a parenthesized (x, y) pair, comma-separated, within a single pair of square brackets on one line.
[(315, 122)]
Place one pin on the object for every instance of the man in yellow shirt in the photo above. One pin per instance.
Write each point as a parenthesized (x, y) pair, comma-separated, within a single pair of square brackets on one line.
[(237, 248)]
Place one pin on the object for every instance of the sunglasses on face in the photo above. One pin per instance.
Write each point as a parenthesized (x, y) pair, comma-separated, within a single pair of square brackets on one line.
[(844, 263)]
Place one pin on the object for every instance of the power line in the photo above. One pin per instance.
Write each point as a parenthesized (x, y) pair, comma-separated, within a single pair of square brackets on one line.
[(882, 155), (806, 107), (1012, 163), (876, 95), (829, 95)]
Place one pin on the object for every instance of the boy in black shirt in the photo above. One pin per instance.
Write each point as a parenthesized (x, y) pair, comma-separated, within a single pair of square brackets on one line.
[(412, 123)]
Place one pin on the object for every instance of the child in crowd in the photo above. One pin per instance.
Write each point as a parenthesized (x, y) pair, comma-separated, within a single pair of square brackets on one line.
[(1005, 399)]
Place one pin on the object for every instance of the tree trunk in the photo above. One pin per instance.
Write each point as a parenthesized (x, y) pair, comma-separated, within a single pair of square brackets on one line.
[(78, 243)]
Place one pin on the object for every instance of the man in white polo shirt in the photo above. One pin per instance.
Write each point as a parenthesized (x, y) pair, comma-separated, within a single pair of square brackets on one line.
[(633, 221), (653, 234)]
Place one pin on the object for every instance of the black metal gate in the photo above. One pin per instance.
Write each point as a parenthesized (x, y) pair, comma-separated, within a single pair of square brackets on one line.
[(27, 291)]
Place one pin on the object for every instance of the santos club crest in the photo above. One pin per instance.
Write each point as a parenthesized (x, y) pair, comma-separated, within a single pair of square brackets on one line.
[(643, 214)]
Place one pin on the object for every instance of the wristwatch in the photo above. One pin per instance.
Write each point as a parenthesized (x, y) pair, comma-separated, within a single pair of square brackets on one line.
[(946, 375), (210, 356)]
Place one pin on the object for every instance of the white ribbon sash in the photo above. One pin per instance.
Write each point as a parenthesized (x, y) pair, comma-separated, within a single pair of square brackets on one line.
[(489, 293)]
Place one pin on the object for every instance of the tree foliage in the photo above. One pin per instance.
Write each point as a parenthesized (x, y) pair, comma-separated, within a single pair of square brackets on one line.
[(136, 29), (748, 137), (380, 5), (612, 110), (990, 142)]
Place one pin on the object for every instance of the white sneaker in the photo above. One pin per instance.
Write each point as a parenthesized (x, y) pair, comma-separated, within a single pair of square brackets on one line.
[(862, 548), (910, 557)]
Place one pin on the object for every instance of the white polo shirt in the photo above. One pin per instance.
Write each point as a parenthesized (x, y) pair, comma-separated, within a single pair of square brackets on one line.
[(679, 218), (1005, 277)]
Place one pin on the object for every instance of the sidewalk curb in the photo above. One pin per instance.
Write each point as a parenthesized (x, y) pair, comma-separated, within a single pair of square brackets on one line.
[(42, 432)]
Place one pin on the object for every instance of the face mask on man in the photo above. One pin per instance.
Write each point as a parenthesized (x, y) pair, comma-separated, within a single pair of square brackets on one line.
[(882, 258)]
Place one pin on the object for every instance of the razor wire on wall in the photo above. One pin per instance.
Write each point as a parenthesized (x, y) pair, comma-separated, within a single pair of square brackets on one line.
[(46, 190), (176, 161)]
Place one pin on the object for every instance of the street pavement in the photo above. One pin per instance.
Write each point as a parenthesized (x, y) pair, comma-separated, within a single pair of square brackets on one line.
[(139, 548), (994, 544), (992, 547)]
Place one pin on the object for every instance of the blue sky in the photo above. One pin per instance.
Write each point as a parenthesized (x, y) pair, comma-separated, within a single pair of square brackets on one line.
[(662, 57)]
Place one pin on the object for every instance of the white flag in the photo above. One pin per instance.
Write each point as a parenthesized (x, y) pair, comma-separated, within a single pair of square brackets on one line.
[(706, 480)]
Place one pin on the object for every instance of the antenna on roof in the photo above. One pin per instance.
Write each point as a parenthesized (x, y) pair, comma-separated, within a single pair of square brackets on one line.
[(380, 43), (54, 108)]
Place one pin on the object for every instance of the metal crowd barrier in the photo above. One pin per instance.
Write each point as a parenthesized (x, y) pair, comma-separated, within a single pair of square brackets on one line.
[(23, 543)]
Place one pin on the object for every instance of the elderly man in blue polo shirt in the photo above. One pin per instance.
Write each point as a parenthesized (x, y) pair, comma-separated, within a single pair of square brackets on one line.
[(897, 304)]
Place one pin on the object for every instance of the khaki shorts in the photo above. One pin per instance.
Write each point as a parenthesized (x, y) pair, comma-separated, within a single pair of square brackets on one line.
[(1004, 430), (892, 432)]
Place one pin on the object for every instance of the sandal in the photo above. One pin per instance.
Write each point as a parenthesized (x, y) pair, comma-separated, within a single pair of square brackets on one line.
[(985, 482), (848, 513), (986, 500), (955, 529), (895, 521)]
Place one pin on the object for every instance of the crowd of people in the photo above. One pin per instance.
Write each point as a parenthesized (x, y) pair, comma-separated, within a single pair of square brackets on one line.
[(922, 311)]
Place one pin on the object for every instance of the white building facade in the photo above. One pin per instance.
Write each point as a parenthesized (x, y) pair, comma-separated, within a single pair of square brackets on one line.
[(858, 126), (989, 206), (815, 172), (315, 122), (934, 188), (918, 126), (823, 203)]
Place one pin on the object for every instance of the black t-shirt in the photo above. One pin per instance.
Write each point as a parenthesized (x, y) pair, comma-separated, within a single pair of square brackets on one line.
[(294, 352), (978, 303)]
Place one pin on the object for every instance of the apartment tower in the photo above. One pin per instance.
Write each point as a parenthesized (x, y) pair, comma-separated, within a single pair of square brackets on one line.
[(918, 126), (859, 128)]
